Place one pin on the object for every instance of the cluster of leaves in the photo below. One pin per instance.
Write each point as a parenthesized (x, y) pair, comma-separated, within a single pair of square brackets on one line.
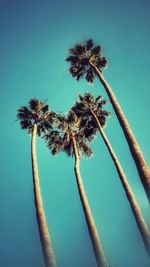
[(62, 138), (38, 113), (80, 57), (82, 109)]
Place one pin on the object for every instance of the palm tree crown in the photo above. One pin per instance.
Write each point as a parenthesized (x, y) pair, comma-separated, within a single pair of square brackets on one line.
[(60, 139), (37, 113), (81, 55), (82, 109)]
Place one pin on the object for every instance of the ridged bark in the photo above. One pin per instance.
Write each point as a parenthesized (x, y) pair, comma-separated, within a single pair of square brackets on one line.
[(145, 234), (136, 153), (48, 253), (97, 247)]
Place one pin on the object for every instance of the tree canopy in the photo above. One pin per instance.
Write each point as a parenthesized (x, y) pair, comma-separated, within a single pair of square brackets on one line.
[(80, 57)]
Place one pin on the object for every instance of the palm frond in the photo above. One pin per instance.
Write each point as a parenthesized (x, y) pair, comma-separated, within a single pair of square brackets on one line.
[(96, 50), (102, 62), (34, 104), (25, 124), (89, 44), (98, 98), (79, 48), (90, 133), (90, 76), (39, 130), (84, 149), (45, 108), (23, 112), (68, 149), (72, 118), (72, 59)]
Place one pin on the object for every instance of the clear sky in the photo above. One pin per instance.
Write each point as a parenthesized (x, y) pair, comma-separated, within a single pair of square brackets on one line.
[(34, 38)]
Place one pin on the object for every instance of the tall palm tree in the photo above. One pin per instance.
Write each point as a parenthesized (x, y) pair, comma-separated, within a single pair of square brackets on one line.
[(36, 119), (93, 118), (69, 139), (87, 60)]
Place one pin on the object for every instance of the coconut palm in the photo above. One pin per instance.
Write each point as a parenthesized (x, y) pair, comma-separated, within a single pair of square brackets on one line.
[(86, 60), (93, 118), (69, 139), (36, 118)]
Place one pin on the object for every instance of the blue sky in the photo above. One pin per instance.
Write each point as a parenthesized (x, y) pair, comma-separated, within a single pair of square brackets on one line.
[(34, 39)]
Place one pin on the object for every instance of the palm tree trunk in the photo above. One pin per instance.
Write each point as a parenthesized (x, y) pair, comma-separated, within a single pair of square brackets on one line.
[(145, 234), (97, 247), (42, 225), (137, 155)]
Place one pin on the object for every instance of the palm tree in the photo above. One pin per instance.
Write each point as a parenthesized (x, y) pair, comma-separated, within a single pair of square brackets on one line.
[(36, 118), (87, 60), (68, 138), (93, 118)]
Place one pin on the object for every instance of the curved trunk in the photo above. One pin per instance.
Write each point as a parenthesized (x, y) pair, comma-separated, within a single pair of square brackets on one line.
[(97, 247), (137, 155), (145, 234), (42, 225)]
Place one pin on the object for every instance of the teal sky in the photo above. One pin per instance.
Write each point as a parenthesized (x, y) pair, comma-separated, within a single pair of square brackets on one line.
[(34, 38)]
